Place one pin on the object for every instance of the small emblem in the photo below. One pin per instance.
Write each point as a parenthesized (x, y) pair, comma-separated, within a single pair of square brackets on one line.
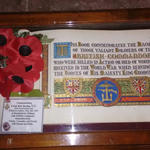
[(6, 126), (7, 106), (106, 91), (72, 86), (140, 85)]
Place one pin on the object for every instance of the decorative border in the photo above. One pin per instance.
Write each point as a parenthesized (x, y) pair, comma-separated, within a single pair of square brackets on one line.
[(86, 95)]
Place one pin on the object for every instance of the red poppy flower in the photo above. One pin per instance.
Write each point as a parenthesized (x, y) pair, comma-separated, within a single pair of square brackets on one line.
[(26, 49), (34, 68), (5, 90), (20, 62), (16, 80), (5, 93), (20, 83), (3, 75), (6, 35), (16, 84)]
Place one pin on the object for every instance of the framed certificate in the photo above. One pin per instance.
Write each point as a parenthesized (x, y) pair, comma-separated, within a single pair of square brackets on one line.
[(95, 79)]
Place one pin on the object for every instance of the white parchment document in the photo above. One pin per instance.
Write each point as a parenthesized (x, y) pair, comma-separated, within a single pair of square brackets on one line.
[(96, 76)]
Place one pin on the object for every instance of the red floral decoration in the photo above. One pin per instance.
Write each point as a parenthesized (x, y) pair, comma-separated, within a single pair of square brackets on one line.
[(6, 36), (20, 62), (34, 67)]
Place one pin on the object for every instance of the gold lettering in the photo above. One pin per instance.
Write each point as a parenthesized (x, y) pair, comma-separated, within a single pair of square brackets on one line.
[(139, 43), (62, 50), (102, 72), (92, 72), (116, 50), (108, 96)]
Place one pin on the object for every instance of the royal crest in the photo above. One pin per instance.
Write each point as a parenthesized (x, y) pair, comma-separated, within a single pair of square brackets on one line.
[(72, 86), (140, 85)]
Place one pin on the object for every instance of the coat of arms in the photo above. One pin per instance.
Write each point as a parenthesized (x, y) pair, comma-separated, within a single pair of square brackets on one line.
[(72, 86), (140, 85)]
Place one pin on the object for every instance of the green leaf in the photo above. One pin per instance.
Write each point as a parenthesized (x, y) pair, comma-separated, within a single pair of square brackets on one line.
[(33, 93), (24, 34), (45, 39), (16, 32), (39, 36)]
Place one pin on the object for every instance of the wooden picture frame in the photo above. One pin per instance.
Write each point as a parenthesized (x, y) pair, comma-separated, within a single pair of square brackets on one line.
[(93, 136)]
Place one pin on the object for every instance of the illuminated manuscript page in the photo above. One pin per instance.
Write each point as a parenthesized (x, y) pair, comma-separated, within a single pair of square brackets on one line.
[(95, 76)]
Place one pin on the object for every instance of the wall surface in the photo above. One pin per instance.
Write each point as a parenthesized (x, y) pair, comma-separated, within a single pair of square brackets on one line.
[(69, 5)]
